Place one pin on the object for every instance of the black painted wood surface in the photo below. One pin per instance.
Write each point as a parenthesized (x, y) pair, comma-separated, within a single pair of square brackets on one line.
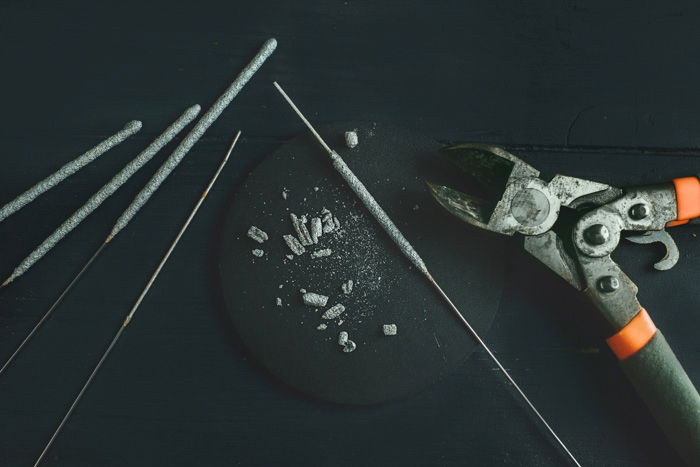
[(584, 88)]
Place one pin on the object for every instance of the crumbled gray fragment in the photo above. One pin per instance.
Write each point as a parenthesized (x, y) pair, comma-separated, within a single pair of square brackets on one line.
[(315, 188), (389, 329), (302, 290), (321, 253), (290, 256), (336, 223), (342, 338), (327, 219), (333, 312), (294, 244), (285, 193), (258, 252), (316, 229), (347, 287), (416, 207), (351, 139), (279, 301), (301, 230), (350, 346), (257, 234), (322, 327), (314, 299), (280, 286), (305, 230)]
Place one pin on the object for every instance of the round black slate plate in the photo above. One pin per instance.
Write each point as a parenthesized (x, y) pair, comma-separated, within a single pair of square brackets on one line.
[(393, 163)]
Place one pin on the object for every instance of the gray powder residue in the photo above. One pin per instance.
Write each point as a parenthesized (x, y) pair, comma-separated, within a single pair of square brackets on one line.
[(195, 134), (321, 253), (67, 170), (378, 213)]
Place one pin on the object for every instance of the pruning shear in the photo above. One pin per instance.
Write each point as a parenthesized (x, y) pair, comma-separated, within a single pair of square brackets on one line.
[(578, 247)]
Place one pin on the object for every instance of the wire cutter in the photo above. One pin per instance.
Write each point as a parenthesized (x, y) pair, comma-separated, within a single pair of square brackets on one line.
[(577, 246)]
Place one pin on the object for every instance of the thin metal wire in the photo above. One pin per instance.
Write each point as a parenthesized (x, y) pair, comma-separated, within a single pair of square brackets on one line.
[(449, 301), (500, 367), (134, 308), (52, 308)]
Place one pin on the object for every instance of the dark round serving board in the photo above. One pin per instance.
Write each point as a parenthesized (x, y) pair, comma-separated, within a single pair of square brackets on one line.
[(393, 164)]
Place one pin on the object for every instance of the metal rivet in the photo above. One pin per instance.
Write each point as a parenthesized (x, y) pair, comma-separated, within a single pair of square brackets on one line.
[(608, 284), (596, 234), (639, 211)]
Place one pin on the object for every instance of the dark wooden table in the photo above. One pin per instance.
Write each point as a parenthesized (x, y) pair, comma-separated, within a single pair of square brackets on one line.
[(577, 87)]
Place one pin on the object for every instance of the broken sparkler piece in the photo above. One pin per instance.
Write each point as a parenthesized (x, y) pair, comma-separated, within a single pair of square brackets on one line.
[(333, 312), (257, 234), (314, 299), (294, 245)]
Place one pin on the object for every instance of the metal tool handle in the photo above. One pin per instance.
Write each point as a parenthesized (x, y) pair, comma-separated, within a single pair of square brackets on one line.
[(661, 381)]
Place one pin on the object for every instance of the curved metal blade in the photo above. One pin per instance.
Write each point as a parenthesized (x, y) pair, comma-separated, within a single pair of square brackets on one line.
[(467, 208), (661, 236)]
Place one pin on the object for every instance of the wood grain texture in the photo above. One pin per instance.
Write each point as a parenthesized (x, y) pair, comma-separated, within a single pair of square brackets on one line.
[(550, 78)]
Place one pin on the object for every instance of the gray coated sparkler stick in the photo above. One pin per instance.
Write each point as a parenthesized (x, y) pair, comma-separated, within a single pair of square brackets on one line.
[(105, 192), (179, 152), (134, 308), (390, 228), (196, 133), (175, 128), (69, 169)]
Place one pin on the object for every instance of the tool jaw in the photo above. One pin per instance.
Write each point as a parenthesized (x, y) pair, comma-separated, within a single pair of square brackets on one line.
[(577, 249), (524, 203)]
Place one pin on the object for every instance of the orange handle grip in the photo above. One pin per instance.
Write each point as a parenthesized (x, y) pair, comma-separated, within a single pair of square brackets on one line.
[(687, 199), (633, 337), (660, 380)]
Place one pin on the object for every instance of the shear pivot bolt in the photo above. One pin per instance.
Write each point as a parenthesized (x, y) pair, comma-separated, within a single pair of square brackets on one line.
[(596, 234), (639, 211), (608, 284)]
